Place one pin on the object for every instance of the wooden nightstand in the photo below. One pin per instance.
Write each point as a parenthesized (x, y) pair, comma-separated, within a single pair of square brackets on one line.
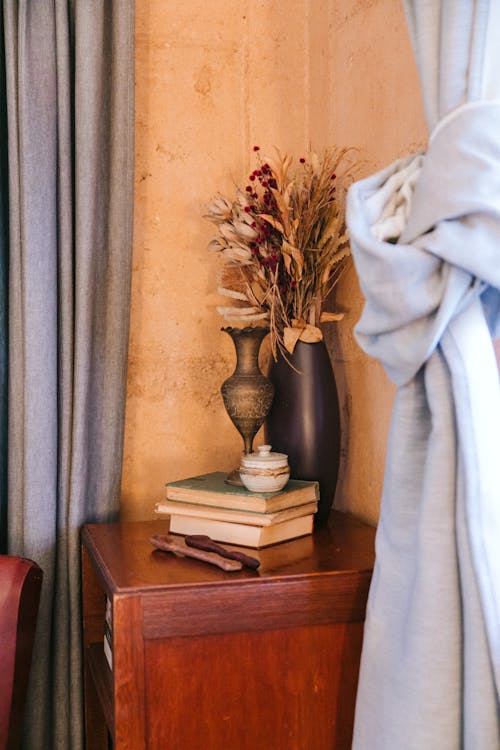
[(204, 660)]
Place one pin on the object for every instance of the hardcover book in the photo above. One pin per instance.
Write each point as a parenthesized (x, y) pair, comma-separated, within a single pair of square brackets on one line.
[(250, 517), (240, 533), (211, 489)]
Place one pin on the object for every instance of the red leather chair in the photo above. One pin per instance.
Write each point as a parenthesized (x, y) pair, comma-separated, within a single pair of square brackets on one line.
[(20, 584)]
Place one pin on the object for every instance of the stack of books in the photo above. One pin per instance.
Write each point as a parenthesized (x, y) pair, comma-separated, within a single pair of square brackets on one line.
[(226, 513)]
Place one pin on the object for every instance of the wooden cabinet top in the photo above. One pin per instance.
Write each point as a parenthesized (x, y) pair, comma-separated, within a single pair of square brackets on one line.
[(128, 563), (269, 658)]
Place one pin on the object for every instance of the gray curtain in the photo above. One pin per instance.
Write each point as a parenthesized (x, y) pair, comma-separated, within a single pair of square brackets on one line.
[(4, 271), (426, 242), (69, 70)]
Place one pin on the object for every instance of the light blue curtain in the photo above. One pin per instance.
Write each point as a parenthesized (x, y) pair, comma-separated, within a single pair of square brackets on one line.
[(426, 243), (69, 72)]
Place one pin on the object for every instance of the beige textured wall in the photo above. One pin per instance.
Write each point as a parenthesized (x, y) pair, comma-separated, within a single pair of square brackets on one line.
[(213, 78), (375, 106)]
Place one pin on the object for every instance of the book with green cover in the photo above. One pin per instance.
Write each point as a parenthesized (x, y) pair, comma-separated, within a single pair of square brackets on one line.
[(211, 489)]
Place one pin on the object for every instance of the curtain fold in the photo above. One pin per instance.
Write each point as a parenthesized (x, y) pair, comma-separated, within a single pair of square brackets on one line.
[(4, 272), (70, 146), (425, 235)]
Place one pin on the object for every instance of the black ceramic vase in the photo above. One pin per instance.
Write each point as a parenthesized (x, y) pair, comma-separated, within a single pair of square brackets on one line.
[(304, 420)]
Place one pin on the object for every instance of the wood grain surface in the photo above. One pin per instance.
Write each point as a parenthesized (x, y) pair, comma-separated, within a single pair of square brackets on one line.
[(204, 659)]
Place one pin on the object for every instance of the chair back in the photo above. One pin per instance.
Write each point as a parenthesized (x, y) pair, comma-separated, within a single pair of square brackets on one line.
[(20, 584)]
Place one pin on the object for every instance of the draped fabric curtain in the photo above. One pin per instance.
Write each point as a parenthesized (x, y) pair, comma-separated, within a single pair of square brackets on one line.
[(4, 269), (425, 235), (69, 91)]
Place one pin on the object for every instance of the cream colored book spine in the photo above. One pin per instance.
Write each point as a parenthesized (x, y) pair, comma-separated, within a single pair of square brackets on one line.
[(233, 516), (242, 534)]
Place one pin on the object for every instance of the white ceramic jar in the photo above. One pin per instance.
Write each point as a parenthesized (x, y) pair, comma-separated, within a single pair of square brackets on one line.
[(264, 471)]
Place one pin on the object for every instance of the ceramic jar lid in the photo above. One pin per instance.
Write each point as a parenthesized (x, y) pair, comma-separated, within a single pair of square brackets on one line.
[(264, 459), (264, 471)]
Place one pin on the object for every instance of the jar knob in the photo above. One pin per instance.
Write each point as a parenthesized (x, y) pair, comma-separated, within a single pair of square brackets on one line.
[(264, 450)]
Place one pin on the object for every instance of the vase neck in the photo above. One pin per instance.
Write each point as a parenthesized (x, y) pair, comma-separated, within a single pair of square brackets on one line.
[(247, 345), (247, 354)]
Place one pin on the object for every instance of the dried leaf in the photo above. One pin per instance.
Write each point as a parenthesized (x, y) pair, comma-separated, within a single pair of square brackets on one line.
[(273, 222), (279, 167), (311, 334), (331, 231), (231, 313), (315, 163), (287, 162), (290, 338), (258, 292), (237, 253), (286, 196), (243, 230), (274, 165), (242, 198), (234, 276), (227, 231), (335, 261), (328, 317), (219, 209), (282, 209), (293, 253), (215, 245), (231, 293), (238, 312)]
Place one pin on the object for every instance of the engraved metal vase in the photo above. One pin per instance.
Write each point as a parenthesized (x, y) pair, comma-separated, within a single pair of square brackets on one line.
[(247, 393)]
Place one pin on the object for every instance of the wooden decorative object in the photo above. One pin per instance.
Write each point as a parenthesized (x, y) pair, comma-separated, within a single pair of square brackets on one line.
[(169, 543)]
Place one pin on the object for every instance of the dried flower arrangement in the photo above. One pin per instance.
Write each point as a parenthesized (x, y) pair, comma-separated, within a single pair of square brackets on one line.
[(284, 243)]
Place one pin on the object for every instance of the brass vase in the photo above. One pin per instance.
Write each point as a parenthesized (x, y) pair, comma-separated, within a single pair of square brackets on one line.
[(247, 393)]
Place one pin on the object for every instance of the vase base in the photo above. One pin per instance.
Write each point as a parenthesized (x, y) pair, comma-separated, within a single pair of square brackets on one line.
[(234, 478)]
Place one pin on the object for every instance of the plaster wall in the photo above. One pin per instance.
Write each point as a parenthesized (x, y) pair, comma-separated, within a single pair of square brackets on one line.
[(213, 78)]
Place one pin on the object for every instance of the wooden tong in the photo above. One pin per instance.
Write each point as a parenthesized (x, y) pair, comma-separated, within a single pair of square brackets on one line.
[(201, 541), (168, 543), (203, 548)]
